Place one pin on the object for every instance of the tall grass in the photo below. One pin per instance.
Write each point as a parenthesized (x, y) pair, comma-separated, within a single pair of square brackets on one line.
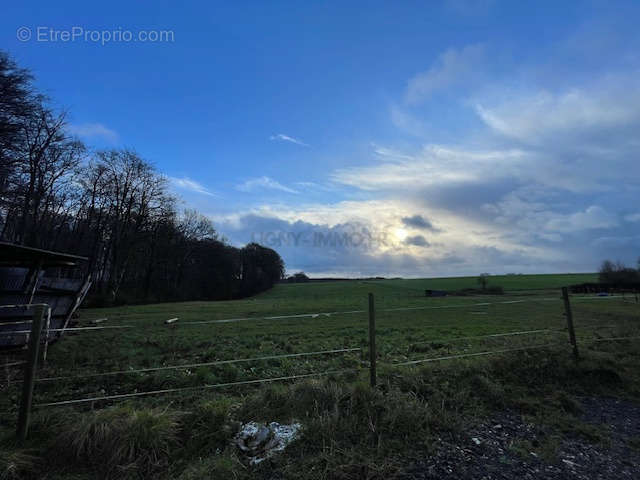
[(117, 440), (16, 464)]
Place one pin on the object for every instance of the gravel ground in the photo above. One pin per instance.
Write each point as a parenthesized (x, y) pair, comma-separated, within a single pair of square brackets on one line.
[(487, 451)]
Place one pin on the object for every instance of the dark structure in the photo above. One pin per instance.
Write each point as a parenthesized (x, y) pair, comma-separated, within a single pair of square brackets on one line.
[(34, 276), (435, 293), (605, 288)]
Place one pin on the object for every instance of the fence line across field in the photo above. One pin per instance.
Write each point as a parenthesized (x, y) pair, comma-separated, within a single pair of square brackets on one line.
[(476, 354), (595, 327), (291, 355), (292, 316), (491, 335), (202, 364), (199, 387), (613, 339), (308, 375), (504, 350)]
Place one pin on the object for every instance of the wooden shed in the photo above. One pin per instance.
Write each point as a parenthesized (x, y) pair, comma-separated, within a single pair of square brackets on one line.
[(34, 276)]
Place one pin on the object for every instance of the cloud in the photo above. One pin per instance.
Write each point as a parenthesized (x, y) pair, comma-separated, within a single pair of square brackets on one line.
[(281, 137), (591, 112), (362, 238), (538, 174), (369, 247), (186, 183), (418, 221), (264, 183), (594, 217), (548, 175), (434, 166), (417, 240), (93, 131), (453, 67), (617, 242)]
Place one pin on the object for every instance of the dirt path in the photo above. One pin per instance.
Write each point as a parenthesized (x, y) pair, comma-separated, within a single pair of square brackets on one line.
[(498, 449)]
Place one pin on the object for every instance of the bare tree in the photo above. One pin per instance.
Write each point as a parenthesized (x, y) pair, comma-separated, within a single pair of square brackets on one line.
[(483, 280), (114, 207)]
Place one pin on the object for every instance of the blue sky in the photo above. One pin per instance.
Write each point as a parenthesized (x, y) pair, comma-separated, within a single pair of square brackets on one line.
[(370, 138)]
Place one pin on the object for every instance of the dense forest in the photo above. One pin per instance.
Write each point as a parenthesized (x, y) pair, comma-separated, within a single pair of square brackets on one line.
[(113, 207)]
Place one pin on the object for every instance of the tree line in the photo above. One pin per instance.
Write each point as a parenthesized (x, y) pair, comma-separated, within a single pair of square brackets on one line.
[(618, 274), (113, 207)]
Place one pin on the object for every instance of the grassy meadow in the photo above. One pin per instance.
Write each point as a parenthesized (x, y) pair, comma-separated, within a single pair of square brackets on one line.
[(348, 427)]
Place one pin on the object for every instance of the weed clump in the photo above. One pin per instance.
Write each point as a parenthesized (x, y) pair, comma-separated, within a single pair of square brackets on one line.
[(208, 428), (123, 439), (15, 464)]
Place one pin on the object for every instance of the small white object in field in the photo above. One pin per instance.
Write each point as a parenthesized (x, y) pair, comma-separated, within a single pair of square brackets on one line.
[(99, 320), (259, 441), (171, 320), (476, 441)]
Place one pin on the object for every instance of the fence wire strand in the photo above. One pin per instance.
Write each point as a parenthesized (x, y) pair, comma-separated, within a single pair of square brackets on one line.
[(491, 335), (199, 387), (477, 354), (203, 364)]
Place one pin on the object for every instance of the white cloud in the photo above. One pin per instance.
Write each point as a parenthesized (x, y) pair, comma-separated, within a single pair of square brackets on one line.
[(315, 187), (264, 183), (93, 131), (281, 137), (594, 217), (632, 217), (434, 165), (452, 67), (186, 183), (596, 108)]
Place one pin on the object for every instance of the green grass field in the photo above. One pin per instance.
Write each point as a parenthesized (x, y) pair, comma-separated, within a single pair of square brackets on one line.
[(409, 327), (508, 282)]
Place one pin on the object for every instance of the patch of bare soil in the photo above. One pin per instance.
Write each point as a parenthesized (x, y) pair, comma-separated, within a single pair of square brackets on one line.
[(500, 449)]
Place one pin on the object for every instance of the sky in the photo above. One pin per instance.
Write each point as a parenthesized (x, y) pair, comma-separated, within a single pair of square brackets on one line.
[(411, 139)]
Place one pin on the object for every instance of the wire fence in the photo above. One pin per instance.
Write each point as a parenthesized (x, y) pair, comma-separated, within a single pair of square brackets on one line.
[(401, 333)]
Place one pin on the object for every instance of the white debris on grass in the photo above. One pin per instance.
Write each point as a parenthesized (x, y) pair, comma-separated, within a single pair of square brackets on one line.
[(259, 441)]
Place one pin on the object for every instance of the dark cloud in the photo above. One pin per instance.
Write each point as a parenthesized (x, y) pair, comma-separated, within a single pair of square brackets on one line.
[(418, 221), (417, 240)]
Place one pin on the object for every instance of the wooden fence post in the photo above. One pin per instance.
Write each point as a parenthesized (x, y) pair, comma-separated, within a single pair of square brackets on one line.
[(569, 315), (372, 341), (30, 373)]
